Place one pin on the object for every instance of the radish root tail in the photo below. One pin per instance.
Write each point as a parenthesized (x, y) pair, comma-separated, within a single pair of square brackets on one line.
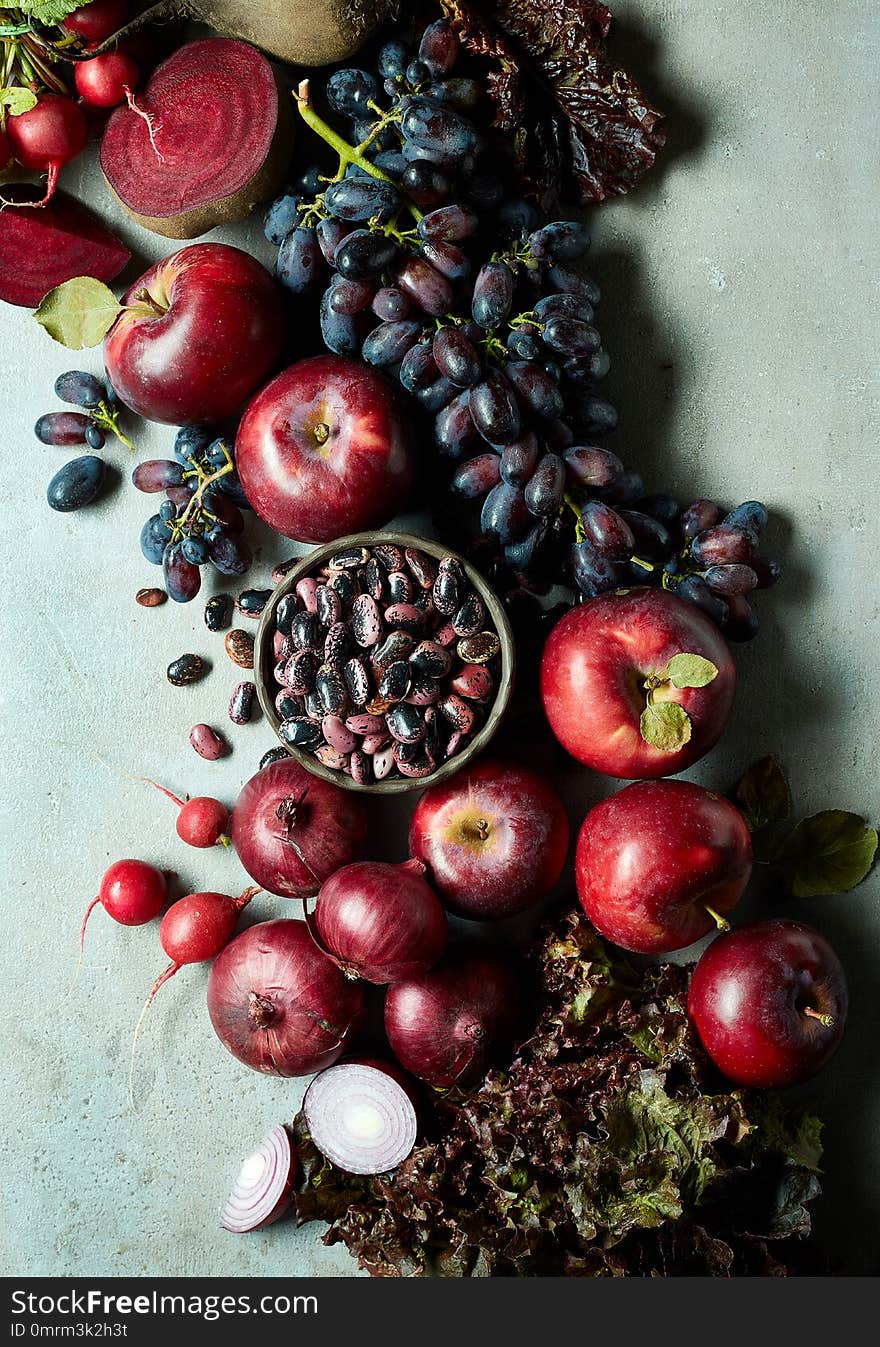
[(162, 978), (51, 184), (153, 128)]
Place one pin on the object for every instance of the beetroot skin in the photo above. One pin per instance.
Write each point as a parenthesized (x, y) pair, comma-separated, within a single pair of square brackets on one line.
[(40, 249), (213, 143)]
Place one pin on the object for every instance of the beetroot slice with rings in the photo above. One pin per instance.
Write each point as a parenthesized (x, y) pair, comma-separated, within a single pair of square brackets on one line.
[(40, 249), (207, 140)]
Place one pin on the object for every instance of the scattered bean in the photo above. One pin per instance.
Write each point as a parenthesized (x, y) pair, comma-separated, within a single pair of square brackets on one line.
[(241, 703), (150, 598), (271, 756), (218, 612), (282, 569), (240, 648), (208, 743), (251, 602), (186, 669)]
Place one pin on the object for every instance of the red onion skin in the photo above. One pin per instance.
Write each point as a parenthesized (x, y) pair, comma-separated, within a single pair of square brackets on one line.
[(381, 922), (446, 1026), (278, 1004), (320, 829)]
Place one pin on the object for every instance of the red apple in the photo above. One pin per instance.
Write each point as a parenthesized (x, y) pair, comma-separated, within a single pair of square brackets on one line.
[(593, 673), (769, 1002), (494, 838), (659, 863), (201, 330), (323, 450)]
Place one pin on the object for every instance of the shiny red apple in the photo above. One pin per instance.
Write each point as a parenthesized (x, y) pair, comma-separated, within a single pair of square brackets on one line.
[(593, 672), (660, 863), (769, 1002), (494, 838), (201, 330), (324, 450)]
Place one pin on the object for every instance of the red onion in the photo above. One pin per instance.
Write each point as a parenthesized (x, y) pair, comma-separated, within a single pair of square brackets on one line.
[(292, 830), (278, 1004), (262, 1192), (360, 1118), (381, 922), (446, 1026)]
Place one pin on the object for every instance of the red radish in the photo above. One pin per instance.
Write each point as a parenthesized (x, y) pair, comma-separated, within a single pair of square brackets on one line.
[(292, 830), (194, 930), (41, 249), (106, 81), (131, 892), (202, 173), (278, 1004), (202, 821), (48, 137), (361, 1118), (93, 22), (446, 1026), (381, 922), (5, 152), (263, 1191)]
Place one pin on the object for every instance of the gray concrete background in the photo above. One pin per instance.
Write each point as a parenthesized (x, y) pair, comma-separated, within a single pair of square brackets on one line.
[(740, 311)]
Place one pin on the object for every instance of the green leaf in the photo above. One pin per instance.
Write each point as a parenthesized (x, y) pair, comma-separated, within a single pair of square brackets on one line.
[(830, 852), (17, 100), (763, 795), (44, 12), (690, 671), (78, 313), (666, 726)]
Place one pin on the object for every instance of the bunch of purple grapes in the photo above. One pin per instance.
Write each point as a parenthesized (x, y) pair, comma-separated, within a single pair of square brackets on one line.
[(431, 267), (200, 520)]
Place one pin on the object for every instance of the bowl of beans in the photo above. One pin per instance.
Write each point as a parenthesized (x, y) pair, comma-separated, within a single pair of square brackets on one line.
[(384, 662)]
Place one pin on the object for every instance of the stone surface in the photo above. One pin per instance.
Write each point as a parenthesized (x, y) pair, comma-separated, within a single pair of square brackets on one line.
[(739, 314)]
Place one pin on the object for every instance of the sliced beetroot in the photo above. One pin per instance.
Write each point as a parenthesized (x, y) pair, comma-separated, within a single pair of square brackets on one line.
[(41, 248), (208, 140)]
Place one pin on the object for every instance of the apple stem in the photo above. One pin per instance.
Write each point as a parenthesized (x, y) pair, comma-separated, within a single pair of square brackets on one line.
[(348, 154), (720, 922), (322, 432), (482, 829), (826, 1020)]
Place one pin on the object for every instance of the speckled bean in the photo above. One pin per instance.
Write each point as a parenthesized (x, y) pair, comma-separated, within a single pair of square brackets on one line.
[(338, 735), (208, 743), (241, 703)]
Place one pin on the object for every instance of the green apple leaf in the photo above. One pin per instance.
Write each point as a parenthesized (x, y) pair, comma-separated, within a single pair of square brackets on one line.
[(665, 725), (831, 852), (79, 312), (690, 671), (17, 100), (762, 794)]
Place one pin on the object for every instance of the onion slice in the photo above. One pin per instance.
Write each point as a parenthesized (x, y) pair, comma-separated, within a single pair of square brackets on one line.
[(360, 1118), (262, 1192)]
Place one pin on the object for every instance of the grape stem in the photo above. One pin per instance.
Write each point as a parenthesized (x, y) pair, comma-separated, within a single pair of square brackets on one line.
[(348, 154), (107, 418), (205, 482), (573, 505)]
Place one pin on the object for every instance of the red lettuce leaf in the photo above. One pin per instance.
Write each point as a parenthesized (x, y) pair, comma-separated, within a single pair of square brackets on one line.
[(582, 128), (607, 1148)]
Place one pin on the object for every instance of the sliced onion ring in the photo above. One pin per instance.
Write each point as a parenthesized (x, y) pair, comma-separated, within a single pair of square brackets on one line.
[(360, 1118), (262, 1191)]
